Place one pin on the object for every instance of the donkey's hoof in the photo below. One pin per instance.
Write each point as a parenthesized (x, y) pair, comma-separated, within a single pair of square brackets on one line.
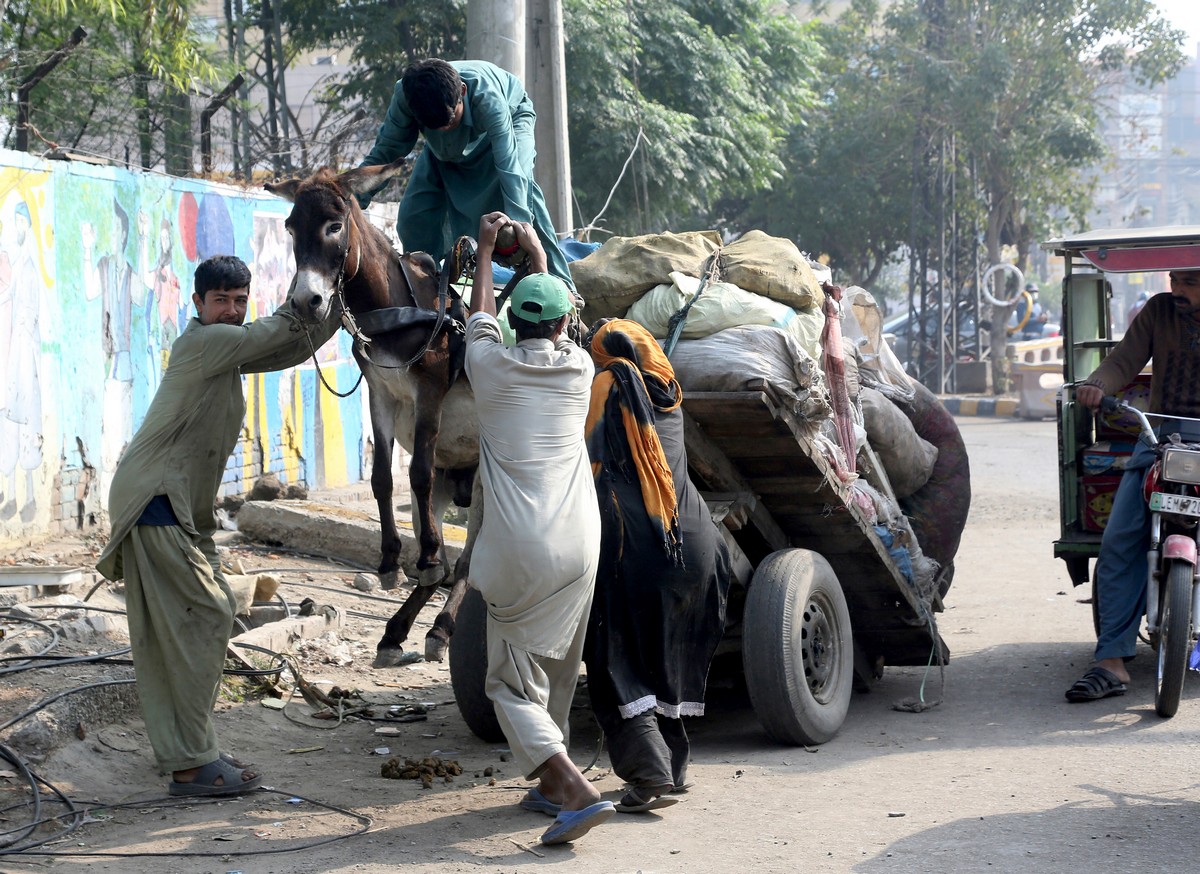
[(434, 575), (393, 579), (435, 649), (394, 657)]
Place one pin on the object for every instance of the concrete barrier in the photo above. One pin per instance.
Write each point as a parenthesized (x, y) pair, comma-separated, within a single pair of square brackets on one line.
[(1037, 388), (334, 531)]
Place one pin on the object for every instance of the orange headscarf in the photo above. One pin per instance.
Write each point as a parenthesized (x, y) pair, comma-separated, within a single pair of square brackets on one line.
[(634, 373)]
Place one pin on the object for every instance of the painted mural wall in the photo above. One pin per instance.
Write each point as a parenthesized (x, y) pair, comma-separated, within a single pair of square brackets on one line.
[(96, 269)]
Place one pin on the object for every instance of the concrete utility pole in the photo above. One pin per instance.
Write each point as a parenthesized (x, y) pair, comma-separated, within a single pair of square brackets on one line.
[(496, 33), (525, 37), (546, 82)]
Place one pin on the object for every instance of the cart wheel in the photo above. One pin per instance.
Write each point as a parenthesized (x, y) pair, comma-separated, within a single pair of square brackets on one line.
[(797, 649), (1095, 606), (468, 668)]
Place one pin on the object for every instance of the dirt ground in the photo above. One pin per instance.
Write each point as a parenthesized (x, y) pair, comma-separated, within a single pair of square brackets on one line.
[(1004, 775)]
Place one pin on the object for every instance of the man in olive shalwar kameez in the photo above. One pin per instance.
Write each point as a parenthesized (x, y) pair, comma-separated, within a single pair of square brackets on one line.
[(180, 608), (479, 152)]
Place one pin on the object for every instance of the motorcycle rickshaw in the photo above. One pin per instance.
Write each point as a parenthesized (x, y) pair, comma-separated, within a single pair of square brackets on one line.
[(1092, 448)]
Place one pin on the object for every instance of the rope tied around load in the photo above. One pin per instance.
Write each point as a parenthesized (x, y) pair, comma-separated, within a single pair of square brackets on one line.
[(711, 272)]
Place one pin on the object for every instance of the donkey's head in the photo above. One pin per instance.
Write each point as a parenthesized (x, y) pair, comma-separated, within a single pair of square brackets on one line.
[(329, 232)]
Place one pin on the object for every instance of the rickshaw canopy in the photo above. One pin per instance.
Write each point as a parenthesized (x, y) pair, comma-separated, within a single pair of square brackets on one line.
[(1134, 250)]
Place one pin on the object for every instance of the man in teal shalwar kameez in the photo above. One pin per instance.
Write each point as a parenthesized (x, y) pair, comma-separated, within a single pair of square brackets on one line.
[(180, 608), (478, 156)]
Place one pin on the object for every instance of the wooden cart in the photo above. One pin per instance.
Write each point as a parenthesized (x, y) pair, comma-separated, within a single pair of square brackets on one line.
[(817, 599)]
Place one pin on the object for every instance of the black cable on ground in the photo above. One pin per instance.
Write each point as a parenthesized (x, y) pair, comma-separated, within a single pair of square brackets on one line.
[(100, 582), (50, 629), (80, 606), (364, 823), (10, 756), (395, 603), (54, 661), (257, 672), (76, 813)]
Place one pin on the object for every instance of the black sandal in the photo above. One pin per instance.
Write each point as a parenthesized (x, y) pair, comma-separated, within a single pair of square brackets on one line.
[(644, 798), (1097, 683)]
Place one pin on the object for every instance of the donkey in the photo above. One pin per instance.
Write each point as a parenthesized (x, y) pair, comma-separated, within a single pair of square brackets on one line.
[(409, 348)]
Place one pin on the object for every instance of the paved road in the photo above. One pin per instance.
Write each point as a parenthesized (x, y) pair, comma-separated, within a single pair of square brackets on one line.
[(1003, 776)]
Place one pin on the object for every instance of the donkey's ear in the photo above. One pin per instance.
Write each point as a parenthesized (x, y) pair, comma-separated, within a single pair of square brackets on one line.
[(362, 180), (285, 189)]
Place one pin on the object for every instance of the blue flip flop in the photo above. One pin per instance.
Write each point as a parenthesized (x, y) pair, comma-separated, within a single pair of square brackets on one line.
[(539, 803), (570, 825)]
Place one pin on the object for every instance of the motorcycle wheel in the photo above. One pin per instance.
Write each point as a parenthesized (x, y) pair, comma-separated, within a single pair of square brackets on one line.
[(1174, 638)]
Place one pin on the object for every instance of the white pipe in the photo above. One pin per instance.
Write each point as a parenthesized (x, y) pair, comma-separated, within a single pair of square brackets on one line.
[(986, 284)]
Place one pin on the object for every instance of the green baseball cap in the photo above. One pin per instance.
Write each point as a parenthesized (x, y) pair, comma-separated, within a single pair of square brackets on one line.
[(541, 297)]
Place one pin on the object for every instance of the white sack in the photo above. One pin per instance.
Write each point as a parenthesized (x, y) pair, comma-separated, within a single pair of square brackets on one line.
[(863, 322), (736, 359), (722, 306)]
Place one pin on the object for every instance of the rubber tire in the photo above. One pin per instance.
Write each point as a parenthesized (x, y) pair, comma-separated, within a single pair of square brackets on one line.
[(1174, 638), (468, 668), (793, 604)]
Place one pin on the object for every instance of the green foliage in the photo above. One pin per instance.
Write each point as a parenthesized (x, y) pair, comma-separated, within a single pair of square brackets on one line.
[(382, 37), (847, 188), (1000, 97), (137, 58), (712, 87), (844, 136)]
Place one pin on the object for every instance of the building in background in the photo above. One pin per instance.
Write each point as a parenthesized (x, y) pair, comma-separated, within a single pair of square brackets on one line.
[(1153, 174)]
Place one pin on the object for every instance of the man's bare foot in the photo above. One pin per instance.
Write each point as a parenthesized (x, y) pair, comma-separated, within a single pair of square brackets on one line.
[(1116, 667), (562, 782)]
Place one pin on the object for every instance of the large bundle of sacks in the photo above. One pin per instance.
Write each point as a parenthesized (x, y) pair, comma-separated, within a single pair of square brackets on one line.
[(762, 307)]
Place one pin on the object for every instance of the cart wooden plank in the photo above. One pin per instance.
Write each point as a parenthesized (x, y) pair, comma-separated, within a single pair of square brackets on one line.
[(750, 442)]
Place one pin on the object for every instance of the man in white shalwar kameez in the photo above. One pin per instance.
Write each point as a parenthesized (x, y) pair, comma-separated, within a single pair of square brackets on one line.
[(536, 556)]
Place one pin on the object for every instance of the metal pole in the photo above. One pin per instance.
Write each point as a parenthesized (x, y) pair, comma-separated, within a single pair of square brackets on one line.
[(281, 84), (30, 82), (206, 122)]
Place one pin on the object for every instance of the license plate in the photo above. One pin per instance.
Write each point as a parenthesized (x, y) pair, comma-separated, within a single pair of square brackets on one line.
[(1184, 505)]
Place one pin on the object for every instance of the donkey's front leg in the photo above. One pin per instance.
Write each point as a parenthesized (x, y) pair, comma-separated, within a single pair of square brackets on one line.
[(430, 396), (383, 430)]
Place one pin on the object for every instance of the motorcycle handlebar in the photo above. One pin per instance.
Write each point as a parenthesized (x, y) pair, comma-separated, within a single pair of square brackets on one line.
[(1110, 404)]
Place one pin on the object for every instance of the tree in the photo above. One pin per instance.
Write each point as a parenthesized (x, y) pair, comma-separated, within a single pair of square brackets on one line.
[(846, 190), (1008, 86), (699, 92), (138, 64), (706, 91), (381, 37), (1016, 85)]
